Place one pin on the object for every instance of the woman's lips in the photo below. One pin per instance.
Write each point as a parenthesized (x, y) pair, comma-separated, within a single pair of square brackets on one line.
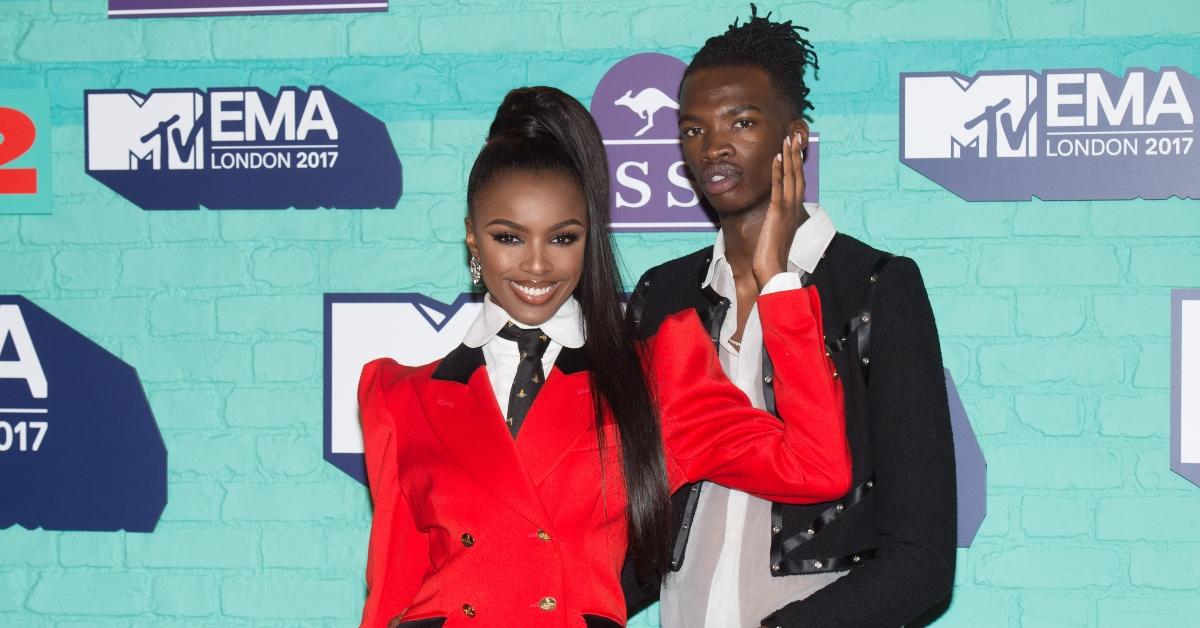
[(533, 292)]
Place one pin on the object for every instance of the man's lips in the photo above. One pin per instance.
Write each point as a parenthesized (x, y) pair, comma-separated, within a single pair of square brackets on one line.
[(719, 178)]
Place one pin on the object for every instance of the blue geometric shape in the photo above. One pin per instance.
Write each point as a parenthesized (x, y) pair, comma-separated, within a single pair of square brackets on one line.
[(8, 349), (970, 468), (182, 163), (92, 457)]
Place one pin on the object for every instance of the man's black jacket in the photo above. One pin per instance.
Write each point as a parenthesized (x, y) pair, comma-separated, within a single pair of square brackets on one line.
[(895, 530)]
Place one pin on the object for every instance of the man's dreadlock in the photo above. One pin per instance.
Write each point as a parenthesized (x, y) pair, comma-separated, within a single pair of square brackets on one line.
[(776, 47)]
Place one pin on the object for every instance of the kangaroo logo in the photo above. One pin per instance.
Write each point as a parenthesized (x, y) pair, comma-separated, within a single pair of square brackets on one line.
[(646, 104)]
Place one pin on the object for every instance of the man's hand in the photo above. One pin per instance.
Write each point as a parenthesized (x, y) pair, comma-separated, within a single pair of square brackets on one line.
[(785, 214)]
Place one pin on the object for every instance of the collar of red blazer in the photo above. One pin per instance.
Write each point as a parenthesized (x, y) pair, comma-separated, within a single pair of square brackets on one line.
[(461, 363)]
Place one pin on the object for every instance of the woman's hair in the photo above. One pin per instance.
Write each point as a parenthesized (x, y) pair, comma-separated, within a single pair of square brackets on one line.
[(542, 129)]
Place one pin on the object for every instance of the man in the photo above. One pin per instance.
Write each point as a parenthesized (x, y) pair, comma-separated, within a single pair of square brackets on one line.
[(884, 553)]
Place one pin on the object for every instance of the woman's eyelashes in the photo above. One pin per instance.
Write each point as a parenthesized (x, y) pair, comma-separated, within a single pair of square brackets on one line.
[(506, 238), (565, 238)]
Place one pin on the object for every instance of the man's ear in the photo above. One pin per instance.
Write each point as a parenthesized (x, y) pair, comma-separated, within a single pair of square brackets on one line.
[(799, 127)]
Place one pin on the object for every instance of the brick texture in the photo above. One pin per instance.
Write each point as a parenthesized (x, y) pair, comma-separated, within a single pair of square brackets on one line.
[(1053, 315)]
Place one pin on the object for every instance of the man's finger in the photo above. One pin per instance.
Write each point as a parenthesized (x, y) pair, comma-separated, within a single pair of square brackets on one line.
[(798, 177), (777, 180), (788, 197)]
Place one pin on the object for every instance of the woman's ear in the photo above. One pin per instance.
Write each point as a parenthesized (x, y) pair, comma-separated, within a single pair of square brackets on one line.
[(472, 245)]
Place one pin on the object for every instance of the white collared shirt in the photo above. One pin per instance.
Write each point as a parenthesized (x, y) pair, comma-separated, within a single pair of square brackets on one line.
[(725, 579), (501, 356)]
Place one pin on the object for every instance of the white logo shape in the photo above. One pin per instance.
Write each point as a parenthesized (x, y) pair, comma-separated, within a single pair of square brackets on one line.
[(362, 332), (952, 116), (161, 131), (646, 104)]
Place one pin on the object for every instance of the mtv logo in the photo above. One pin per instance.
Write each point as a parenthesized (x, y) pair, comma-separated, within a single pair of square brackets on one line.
[(947, 115), (410, 328), (1185, 394), (158, 131)]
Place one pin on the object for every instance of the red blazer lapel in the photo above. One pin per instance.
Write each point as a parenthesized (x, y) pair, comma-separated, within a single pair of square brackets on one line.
[(560, 415), (468, 422)]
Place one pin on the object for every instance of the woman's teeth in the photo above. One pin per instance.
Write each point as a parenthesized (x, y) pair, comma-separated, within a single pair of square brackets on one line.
[(534, 292)]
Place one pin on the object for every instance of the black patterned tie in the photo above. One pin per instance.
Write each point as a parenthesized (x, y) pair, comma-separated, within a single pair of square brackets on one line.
[(532, 344)]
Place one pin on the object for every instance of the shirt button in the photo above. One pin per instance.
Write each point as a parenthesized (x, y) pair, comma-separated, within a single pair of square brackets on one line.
[(467, 540), (468, 610), (543, 535), (547, 603), (767, 379)]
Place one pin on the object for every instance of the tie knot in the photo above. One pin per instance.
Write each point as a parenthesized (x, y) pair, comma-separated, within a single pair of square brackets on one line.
[(530, 342)]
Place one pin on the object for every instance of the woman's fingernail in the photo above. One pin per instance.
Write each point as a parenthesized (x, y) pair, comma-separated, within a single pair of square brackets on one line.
[(788, 140), (778, 156)]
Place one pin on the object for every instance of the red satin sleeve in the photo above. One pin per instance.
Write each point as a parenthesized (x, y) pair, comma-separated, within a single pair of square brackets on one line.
[(710, 430), (398, 556)]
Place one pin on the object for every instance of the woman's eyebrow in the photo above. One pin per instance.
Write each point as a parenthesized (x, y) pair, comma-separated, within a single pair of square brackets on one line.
[(508, 223)]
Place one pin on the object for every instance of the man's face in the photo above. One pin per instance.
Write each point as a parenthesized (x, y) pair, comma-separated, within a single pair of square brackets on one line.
[(732, 124)]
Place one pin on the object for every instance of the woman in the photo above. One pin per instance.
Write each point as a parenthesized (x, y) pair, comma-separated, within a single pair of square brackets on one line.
[(493, 510)]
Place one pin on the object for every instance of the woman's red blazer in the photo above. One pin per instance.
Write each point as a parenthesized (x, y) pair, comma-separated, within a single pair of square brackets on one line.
[(475, 528)]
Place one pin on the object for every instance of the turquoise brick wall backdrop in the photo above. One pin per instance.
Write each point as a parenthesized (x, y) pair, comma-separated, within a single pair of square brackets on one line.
[(1054, 316)]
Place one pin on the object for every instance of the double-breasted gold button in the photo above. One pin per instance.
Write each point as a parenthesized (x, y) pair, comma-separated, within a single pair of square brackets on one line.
[(543, 535), (547, 603), (468, 540), (468, 610)]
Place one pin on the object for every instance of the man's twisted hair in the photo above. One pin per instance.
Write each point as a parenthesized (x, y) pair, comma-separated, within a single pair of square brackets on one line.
[(776, 47)]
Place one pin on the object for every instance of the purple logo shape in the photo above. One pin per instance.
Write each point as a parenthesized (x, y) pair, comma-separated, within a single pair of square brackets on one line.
[(1071, 134), (1185, 398), (970, 469), (636, 106), (185, 8), (79, 446), (239, 148), (411, 328)]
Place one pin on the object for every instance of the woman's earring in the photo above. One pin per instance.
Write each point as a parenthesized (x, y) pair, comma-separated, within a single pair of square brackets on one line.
[(476, 270)]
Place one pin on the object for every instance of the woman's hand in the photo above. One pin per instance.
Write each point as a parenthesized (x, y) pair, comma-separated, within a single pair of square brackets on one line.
[(785, 214)]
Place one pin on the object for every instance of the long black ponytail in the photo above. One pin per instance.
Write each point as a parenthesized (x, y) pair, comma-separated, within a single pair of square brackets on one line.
[(540, 129)]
